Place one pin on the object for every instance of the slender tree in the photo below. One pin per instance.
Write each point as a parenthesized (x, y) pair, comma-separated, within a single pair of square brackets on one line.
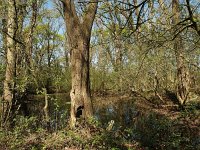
[(4, 42), (182, 73), (29, 41), (8, 91), (79, 33)]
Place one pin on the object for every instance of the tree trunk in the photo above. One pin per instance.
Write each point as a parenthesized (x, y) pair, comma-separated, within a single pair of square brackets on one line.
[(29, 41), (4, 39), (46, 110), (182, 73), (8, 91), (80, 92), (78, 33), (118, 61)]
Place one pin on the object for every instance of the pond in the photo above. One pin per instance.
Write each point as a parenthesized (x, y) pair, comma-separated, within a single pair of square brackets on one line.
[(120, 110)]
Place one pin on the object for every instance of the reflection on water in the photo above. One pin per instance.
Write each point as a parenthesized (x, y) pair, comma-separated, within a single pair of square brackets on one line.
[(121, 111)]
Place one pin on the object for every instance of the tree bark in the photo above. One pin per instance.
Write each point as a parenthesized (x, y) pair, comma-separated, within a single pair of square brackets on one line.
[(182, 73), (4, 40), (46, 109), (29, 41), (78, 34), (8, 91)]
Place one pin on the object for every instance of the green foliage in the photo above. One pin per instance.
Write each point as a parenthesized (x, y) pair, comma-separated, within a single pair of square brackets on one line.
[(25, 135), (25, 125), (152, 131), (191, 109), (157, 132), (22, 136), (59, 112), (146, 55)]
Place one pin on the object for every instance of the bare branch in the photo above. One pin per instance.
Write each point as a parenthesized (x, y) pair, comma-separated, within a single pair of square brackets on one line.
[(191, 17)]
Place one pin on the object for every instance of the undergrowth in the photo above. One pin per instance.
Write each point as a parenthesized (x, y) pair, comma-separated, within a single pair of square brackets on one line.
[(150, 132)]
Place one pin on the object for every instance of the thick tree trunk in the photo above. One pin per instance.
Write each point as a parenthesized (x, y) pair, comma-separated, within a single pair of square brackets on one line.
[(182, 73), (80, 92), (78, 34)]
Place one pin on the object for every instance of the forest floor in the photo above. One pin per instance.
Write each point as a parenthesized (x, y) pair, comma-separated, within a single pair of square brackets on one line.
[(139, 123)]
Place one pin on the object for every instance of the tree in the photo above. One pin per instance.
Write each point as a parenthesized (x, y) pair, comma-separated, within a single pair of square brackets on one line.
[(182, 73), (29, 41), (8, 91), (14, 49), (79, 33)]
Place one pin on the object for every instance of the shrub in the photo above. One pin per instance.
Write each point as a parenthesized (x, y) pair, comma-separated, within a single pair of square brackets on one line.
[(158, 132)]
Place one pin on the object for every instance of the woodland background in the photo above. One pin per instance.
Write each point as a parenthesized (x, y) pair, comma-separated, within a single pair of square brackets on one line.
[(142, 55)]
